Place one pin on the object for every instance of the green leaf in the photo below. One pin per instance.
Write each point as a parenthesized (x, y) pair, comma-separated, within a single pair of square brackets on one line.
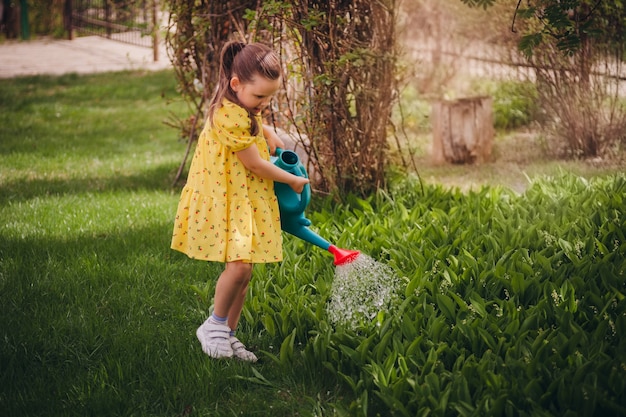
[(268, 322), (286, 349), (446, 306), (258, 378), (526, 12), (529, 42), (478, 303), (487, 338), (354, 385)]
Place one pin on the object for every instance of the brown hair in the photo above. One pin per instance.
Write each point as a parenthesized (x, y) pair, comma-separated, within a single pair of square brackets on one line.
[(244, 61)]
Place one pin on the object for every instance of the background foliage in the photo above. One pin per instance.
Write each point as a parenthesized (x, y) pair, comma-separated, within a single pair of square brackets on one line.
[(576, 49), (340, 67), (572, 53), (567, 23)]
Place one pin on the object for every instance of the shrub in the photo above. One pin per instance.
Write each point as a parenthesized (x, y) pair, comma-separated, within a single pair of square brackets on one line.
[(514, 104)]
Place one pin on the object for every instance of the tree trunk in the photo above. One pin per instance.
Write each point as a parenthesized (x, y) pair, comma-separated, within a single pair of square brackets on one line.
[(462, 130)]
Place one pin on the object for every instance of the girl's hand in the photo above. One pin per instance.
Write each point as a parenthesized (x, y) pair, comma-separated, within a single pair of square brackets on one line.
[(298, 183), (272, 139), (251, 159)]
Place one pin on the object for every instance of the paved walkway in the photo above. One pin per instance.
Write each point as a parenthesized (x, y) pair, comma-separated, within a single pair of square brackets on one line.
[(82, 55)]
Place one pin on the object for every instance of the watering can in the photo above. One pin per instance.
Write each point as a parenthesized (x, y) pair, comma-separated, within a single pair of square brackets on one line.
[(292, 206)]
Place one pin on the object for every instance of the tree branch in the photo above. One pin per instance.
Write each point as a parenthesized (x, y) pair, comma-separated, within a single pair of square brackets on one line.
[(515, 16)]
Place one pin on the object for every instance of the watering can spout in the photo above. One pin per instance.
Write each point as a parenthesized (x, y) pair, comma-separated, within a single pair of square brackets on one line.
[(343, 256)]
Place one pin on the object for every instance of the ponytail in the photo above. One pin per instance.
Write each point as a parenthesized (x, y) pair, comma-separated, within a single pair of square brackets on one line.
[(223, 90), (245, 61)]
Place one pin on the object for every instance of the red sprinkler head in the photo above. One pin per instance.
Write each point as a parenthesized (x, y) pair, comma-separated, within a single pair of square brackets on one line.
[(343, 256)]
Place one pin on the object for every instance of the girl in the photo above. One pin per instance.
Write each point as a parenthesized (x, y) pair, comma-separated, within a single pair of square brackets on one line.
[(228, 211)]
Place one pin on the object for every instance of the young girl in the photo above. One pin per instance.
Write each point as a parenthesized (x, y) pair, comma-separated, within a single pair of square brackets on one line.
[(228, 211)]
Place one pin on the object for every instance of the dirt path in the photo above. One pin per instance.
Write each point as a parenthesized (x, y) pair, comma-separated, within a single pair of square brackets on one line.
[(83, 55)]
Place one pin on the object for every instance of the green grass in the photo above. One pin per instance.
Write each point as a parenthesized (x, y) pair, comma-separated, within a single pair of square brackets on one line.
[(98, 314), (508, 297)]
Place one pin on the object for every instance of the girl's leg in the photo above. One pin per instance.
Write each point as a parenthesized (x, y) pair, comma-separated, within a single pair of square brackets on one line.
[(234, 313), (237, 306), (239, 349), (215, 337), (232, 283)]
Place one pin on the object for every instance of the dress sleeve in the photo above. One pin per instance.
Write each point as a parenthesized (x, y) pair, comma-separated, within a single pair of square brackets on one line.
[(232, 125)]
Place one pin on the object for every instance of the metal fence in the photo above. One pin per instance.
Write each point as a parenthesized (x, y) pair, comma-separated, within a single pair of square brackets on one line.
[(129, 21), (475, 59)]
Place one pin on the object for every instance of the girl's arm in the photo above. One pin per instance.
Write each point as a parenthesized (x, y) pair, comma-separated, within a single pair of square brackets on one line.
[(251, 159), (272, 139)]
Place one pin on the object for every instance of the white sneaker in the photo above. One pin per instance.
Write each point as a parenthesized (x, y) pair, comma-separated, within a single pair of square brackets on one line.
[(214, 340), (240, 351)]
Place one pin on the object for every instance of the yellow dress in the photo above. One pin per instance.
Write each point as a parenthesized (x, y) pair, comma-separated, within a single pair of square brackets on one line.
[(225, 212)]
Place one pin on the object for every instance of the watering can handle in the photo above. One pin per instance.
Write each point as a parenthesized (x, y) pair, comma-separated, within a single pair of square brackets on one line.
[(305, 196), (300, 171)]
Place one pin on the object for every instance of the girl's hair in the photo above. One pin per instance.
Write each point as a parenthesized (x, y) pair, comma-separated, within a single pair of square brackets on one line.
[(244, 61)]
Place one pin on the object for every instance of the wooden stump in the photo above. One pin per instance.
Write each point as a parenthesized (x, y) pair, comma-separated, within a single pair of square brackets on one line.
[(462, 130)]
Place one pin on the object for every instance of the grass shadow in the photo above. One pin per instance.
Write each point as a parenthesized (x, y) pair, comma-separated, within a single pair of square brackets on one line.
[(158, 178), (100, 325)]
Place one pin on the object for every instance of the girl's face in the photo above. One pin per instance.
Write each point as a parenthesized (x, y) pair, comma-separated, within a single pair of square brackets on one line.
[(256, 94)]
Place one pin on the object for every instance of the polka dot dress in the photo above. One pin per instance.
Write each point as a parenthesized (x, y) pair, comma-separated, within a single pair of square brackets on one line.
[(225, 212)]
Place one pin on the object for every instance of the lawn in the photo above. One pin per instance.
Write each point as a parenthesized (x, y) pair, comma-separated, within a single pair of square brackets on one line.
[(511, 297), (98, 314)]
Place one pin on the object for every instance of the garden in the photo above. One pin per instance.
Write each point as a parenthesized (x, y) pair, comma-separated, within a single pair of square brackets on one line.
[(491, 289), (508, 300)]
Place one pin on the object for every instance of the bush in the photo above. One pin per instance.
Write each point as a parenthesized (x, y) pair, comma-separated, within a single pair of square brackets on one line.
[(46, 17), (514, 102)]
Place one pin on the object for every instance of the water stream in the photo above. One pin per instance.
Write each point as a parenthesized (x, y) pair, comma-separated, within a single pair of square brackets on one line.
[(361, 289)]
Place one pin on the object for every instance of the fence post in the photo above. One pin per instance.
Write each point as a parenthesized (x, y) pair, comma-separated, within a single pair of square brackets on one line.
[(24, 23), (67, 19), (107, 18), (462, 130), (155, 30)]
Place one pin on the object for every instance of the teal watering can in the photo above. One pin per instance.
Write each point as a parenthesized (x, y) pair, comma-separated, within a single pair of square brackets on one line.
[(292, 206)]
